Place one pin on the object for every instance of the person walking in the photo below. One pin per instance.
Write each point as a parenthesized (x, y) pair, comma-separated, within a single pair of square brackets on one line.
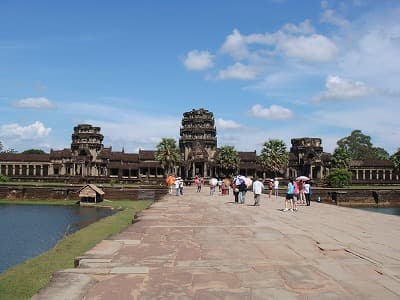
[(289, 196), (242, 192), (258, 188), (307, 192), (198, 181), (270, 186), (177, 186), (235, 190), (276, 187)]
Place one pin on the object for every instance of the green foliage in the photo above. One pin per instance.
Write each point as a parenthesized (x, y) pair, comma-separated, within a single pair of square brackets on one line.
[(274, 156), (395, 158), (4, 178), (360, 147), (341, 158), (33, 151), (228, 160), (167, 154), (339, 178)]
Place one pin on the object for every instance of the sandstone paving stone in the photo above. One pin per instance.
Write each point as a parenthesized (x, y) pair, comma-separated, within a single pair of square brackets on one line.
[(202, 247), (66, 286)]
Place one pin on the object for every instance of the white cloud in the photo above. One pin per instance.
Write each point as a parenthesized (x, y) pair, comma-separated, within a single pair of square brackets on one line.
[(342, 89), (304, 27), (198, 60), (331, 17), (36, 103), (314, 48), (294, 41), (239, 71), (235, 45), (227, 124), (274, 112), (35, 130)]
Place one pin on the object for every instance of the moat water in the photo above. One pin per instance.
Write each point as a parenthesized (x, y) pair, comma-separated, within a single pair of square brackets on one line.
[(29, 230), (384, 210)]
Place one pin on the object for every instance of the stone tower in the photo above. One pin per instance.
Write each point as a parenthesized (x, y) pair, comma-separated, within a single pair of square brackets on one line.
[(305, 157), (86, 142), (198, 143)]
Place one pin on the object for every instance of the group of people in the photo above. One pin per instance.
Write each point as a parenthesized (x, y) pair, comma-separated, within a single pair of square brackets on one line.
[(298, 192)]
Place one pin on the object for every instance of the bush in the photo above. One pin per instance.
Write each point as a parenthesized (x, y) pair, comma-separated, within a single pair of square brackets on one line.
[(339, 178), (4, 178)]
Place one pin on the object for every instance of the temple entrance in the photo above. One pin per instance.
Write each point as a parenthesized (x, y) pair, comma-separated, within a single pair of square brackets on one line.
[(199, 169)]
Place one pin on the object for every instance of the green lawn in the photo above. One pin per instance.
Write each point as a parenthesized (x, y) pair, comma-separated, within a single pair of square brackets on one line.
[(26, 279)]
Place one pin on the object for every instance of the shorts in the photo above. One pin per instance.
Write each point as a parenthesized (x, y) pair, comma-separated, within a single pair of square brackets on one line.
[(289, 196)]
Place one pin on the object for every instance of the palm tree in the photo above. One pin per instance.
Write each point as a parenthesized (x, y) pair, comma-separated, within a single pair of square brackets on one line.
[(273, 156), (167, 154), (228, 160)]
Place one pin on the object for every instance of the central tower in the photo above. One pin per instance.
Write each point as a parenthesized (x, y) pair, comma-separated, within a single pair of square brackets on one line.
[(198, 143)]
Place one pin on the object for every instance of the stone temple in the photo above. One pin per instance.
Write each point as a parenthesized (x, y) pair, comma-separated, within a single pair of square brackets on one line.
[(87, 160)]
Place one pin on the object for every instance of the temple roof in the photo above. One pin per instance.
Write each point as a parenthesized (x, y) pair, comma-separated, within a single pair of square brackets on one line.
[(147, 154), (66, 153), (9, 157)]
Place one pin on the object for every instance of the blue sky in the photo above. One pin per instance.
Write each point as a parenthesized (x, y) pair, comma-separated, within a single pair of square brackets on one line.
[(266, 69)]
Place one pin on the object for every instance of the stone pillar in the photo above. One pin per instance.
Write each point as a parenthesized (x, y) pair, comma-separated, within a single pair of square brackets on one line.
[(205, 170)]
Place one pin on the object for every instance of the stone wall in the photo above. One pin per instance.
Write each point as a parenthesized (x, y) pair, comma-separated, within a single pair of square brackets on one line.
[(15, 192), (362, 197)]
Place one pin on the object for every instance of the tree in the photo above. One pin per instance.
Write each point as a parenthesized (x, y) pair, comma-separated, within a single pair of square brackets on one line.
[(2, 150), (341, 158), (395, 158), (167, 154), (360, 147), (228, 160), (33, 151), (274, 156), (339, 178)]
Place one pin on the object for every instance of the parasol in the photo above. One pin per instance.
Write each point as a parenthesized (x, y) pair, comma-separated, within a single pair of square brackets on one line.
[(170, 180), (227, 182), (302, 178), (213, 181), (248, 181)]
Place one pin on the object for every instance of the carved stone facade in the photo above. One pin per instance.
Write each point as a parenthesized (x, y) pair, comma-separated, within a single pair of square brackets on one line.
[(198, 143), (89, 160), (306, 157)]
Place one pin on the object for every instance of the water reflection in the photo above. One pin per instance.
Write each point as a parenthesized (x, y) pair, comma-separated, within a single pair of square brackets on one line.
[(28, 230)]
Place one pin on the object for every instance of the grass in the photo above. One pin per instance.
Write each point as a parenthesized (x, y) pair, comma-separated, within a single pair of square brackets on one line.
[(26, 279), (39, 202)]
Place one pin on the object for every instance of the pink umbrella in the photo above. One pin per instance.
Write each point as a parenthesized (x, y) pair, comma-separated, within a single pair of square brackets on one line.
[(302, 178), (248, 181)]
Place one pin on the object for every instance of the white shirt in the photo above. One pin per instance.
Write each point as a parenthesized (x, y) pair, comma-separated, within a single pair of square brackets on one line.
[(307, 188), (276, 184), (258, 187)]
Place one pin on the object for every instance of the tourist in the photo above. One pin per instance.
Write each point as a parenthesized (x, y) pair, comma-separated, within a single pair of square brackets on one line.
[(181, 183), (235, 190), (276, 187), (289, 196), (212, 189), (302, 197), (258, 188), (219, 183), (270, 186), (242, 192), (295, 192), (307, 192), (177, 186), (198, 181)]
